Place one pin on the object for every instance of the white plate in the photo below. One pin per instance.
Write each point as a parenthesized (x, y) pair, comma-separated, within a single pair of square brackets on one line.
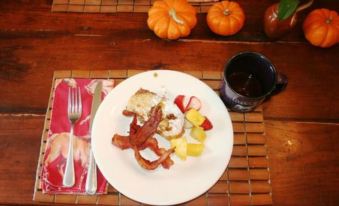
[(185, 180)]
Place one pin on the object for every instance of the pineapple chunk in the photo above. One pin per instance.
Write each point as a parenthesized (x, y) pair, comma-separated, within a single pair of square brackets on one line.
[(195, 149), (188, 124), (198, 133), (195, 117), (180, 145)]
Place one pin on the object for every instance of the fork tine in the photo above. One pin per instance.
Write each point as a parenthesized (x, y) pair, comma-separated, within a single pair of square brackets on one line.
[(79, 102), (75, 101), (69, 100), (72, 101)]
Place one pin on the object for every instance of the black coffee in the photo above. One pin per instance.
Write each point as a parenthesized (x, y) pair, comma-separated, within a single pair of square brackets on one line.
[(246, 84)]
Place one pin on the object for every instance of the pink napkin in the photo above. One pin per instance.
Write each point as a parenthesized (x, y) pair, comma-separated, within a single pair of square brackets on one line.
[(54, 161)]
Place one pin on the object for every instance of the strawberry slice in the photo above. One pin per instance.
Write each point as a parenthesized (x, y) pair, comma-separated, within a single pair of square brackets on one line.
[(206, 125), (186, 102), (179, 101), (194, 103)]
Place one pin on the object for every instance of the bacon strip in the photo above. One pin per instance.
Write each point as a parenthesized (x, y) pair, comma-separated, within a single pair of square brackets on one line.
[(151, 165), (141, 137), (121, 141), (152, 144), (128, 113), (133, 127), (148, 129)]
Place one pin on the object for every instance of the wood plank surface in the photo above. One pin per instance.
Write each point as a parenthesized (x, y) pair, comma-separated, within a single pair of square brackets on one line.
[(304, 162), (19, 151), (32, 64)]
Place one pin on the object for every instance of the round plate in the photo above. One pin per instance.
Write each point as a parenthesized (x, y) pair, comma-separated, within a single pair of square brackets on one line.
[(185, 180)]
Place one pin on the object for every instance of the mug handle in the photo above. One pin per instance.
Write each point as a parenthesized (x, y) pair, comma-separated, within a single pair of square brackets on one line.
[(280, 84)]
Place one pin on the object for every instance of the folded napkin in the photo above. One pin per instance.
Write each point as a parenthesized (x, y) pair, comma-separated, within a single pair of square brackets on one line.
[(54, 161)]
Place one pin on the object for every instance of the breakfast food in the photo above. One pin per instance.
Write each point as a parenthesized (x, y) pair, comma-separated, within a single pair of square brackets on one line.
[(185, 103), (172, 121), (184, 149), (153, 114), (141, 137)]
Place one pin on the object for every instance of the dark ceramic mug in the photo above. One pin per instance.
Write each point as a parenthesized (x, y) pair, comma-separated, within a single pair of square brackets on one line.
[(248, 79)]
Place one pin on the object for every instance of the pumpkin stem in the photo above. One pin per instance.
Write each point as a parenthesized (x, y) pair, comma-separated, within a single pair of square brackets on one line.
[(227, 12), (328, 21), (173, 14)]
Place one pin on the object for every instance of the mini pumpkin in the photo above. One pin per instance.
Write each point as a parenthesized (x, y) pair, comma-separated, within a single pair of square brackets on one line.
[(171, 19), (225, 18), (321, 28)]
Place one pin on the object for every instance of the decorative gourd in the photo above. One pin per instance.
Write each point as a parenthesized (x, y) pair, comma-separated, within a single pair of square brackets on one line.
[(171, 19), (274, 27), (225, 18), (321, 28)]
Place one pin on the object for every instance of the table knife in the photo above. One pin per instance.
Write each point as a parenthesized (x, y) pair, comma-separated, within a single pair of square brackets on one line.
[(91, 181)]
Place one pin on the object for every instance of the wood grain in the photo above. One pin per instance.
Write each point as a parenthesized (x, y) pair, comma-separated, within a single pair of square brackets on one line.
[(19, 151), (304, 162), (30, 64)]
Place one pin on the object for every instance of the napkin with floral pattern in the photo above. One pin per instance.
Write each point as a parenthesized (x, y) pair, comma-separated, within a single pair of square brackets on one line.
[(54, 161)]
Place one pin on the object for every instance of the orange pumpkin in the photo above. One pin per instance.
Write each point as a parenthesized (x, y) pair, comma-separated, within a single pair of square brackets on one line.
[(321, 28), (225, 18), (171, 19)]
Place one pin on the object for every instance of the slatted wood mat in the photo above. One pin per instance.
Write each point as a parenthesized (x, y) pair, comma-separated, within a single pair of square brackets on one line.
[(113, 6), (246, 181)]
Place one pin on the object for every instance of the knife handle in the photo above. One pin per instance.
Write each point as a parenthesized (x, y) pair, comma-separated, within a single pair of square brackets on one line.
[(91, 180)]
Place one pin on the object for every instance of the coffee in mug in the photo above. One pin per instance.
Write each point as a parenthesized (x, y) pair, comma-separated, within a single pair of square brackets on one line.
[(248, 78)]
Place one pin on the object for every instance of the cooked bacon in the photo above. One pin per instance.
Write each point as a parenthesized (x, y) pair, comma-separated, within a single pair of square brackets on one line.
[(121, 141), (168, 162), (151, 165), (141, 137), (152, 144), (134, 127), (128, 113), (148, 129)]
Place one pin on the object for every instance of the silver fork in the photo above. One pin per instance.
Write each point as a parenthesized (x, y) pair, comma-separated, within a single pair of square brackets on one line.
[(74, 111)]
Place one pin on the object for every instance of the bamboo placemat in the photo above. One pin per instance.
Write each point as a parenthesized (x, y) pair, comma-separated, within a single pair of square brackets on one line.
[(113, 6), (246, 181)]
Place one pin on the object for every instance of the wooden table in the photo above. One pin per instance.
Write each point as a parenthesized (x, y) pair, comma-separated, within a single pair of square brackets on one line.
[(301, 123)]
